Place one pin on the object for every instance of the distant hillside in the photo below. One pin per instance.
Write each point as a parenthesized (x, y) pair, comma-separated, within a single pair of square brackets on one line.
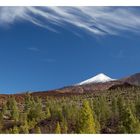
[(133, 79)]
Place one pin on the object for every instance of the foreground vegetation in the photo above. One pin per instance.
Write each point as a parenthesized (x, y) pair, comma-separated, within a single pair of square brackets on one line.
[(111, 111)]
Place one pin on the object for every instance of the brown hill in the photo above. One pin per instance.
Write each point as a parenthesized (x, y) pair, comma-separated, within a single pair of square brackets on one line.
[(133, 79), (130, 81)]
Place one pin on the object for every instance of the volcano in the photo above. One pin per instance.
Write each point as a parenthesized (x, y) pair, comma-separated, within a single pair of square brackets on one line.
[(100, 78)]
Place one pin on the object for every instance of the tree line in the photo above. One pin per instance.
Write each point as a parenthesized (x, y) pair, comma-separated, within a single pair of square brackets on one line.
[(83, 114)]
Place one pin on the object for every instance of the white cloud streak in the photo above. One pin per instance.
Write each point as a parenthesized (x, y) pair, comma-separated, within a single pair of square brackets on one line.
[(33, 49), (93, 20)]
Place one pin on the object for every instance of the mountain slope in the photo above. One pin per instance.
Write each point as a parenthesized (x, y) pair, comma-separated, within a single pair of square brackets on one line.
[(99, 83), (133, 79)]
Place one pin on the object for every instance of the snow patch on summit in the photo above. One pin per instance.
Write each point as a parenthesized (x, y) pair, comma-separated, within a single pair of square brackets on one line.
[(100, 78)]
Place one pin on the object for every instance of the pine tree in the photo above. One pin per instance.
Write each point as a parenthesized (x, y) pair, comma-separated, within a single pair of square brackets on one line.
[(114, 107), (58, 129), (86, 123), (96, 108), (36, 111), (9, 103), (14, 109), (39, 109), (120, 104), (132, 106), (97, 125), (37, 130), (15, 130), (1, 121), (4, 108), (32, 123), (23, 117), (1, 116), (137, 106), (56, 113), (113, 120), (105, 111), (64, 126), (29, 103), (39, 105), (47, 113), (25, 127), (128, 122)]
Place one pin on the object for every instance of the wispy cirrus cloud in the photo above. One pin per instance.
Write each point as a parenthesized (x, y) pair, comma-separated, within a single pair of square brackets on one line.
[(93, 20), (34, 49)]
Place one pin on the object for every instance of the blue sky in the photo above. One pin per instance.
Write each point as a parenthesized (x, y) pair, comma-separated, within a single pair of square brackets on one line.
[(44, 48)]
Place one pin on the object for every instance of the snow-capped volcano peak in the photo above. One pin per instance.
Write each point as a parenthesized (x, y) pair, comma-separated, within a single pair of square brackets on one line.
[(100, 78)]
